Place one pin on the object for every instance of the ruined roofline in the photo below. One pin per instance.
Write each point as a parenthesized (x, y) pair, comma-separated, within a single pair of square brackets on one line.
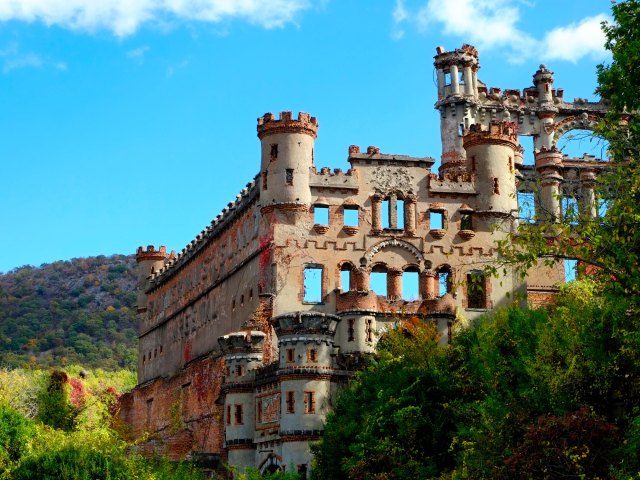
[(231, 212), (373, 153)]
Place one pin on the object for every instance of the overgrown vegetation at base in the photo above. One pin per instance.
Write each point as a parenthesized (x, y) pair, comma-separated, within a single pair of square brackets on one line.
[(523, 394)]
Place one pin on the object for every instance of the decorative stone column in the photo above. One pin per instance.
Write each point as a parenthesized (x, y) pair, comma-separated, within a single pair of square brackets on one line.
[(468, 80), (376, 217), (588, 207), (394, 284), (548, 163), (393, 211), (410, 215), (427, 284), (455, 86)]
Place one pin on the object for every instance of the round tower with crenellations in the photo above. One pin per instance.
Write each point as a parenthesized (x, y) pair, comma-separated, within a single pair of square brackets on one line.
[(286, 158), (149, 261)]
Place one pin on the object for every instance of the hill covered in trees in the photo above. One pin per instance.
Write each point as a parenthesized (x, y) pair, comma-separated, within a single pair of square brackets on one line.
[(80, 311)]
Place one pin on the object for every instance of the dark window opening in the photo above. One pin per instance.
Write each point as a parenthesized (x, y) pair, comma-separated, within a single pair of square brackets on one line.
[(274, 151), (259, 411), (466, 222), (313, 284), (228, 414), (476, 294), (320, 215), (264, 180), (351, 330), (473, 163), (496, 185), (239, 370), (312, 355), (239, 417), (309, 402), (369, 331), (289, 176), (291, 402), (290, 355)]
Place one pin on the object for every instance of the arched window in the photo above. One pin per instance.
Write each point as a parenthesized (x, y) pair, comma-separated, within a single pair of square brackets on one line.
[(347, 282), (393, 211), (444, 279), (477, 290)]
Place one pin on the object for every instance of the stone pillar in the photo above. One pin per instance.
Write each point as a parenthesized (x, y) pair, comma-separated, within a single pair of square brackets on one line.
[(455, 86), (588, 207), (475, 80), (410, 215), (468, 80), (548, 162), (427, 284), (376, 217), (394, 284), (393, 211), (362, 280), (441, 81)]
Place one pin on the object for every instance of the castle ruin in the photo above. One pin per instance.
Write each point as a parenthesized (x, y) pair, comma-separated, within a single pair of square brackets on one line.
[(247, 334)]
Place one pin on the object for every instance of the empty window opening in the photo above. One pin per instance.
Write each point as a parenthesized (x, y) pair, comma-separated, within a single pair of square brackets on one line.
[(290, 355), (476, 294), (385, 214), (461, 129), (570, 269), (436, 220), (251, 294), (241, 300), (291, 402), (369, 330), (321, 215), (351, 330), (410, 289), (466, 222), (527, 143), (350, 216), (399, 214), (510, 165), (313, 284), (289, 176), (460, 77), (496, 185), (444, 282), (239, 370), (473, 163), (526, 207), (449, 332), (259, 411), (233, 305), (239, 415), (603, 206), (264, 180), (228, 414), (312, 355), (345, 280), (274, 151), (447, 78), (227, 371), (378, 281), (309, 402), (570, 210)]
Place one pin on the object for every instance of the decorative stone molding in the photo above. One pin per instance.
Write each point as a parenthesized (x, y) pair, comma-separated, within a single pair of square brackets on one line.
[(321, 229), (350, 230), (466, 234), (387, 179), (394, 242), (437, 233)]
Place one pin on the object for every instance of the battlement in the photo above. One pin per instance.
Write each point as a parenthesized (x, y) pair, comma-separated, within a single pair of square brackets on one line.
[(305, 322), (242, 342), (466, 54), (268, 125), (498, 132), (150, 253)]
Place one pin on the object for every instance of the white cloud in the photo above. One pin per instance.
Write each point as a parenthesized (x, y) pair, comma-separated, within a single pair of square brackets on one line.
[(575, 41), (172, 69), (138, 53), (13, 59), (490, 24), (124, 17)]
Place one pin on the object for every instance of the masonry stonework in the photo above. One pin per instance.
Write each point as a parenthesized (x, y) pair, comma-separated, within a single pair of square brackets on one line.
[(247, 334)]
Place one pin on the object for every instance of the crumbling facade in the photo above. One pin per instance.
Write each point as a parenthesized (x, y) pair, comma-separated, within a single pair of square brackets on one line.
[(246, 335)]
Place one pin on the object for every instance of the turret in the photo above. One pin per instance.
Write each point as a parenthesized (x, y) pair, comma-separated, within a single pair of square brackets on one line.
[(492, 154), (286, 159), (457, 92), (149, 261), (543, 81), (306, 344), (243, 352)]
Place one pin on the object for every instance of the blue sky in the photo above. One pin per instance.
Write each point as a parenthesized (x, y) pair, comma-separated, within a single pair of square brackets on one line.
[(132, 122)]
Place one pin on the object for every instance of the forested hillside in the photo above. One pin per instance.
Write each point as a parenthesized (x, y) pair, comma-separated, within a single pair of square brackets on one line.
[(80, 311)]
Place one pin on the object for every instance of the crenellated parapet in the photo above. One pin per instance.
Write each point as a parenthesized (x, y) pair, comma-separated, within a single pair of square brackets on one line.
[(505, 133), (242, 342), (150, 253), (305, 322), (269, 125)]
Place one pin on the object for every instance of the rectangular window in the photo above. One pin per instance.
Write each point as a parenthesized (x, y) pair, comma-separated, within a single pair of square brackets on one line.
[(526, 207), (289, 176), (351, 330), (400, 214), (570, 210), (239, 370), (436, 220), (312, 355), (259, 411), (465, 222), (321, 215), (239, 417), (264, 180), (476, 295), (345, 280), (369, 331), (313, 284), (351, 216), (291, 402), (228, 414), (385, 214), (274, 151), (378, 283), (309, 402), (290, 355), (570, 269), (410, 288), (443, 283)]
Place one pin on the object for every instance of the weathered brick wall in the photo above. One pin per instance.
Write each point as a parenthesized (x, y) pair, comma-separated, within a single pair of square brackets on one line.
[(178, 412)]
